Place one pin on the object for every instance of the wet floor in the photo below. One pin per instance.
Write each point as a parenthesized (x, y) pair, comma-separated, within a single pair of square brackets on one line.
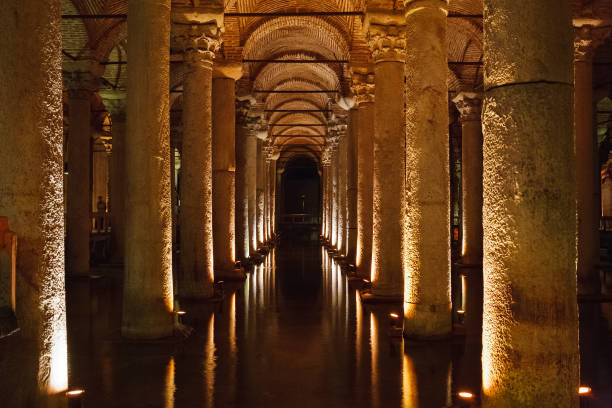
[(294, 334)]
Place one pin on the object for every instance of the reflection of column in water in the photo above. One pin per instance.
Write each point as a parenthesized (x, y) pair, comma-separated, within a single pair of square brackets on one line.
[(209, 362), (170, 385), (410, 396), (273, 276), (247, 300), (345, 293), (260, 287), (233, 347), (374, 360)]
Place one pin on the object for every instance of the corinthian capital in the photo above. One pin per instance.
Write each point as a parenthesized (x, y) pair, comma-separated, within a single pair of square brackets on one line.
[(386, 35), (469, 106), (363, 86), (586, 40), (199, 42)]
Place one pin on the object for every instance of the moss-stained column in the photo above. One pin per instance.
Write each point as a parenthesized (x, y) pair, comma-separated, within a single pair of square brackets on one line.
[(224, 169), (196, 276), (325, 164), (115, 104), (251, 170), (530, 317), (386, 40), (351, 186), (260, 163), (80, 86), (363, 88), (340, 129), (586, 40), (243, 121), (31, 186), (147, 289)]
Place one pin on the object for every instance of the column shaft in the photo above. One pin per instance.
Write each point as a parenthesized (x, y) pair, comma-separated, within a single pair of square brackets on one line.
[(251, 166), (242, 193), (78, 205), (365, 160), (351, 186), (341, 231), (260, 163), (147, 289), (530, 327), (224, 167), (31, 191)]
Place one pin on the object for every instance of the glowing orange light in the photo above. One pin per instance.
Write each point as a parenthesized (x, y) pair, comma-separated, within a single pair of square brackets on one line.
[(583, 390), (75, 393), (394, 315), (465, 395), (181, 312), (460, 311)]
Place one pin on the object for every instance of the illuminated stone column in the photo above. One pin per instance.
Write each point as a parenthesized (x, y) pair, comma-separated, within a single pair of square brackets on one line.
[(224, 170), (606, 191), (272, 154), (530, 319), (196, 276), (115, 104), (243, 121), (340, 129), (325, 164), (386, 40), (260, 162), (426, 247), (363, 89), (31, 190), (351, 186), (251, 166), (80, 86), (147, 289), (586, 40), (333, 188)]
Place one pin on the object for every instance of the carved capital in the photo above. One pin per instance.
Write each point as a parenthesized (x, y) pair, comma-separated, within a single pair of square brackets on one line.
[(413, 6), (245, 116), (469, 105), (586, 40), (387, 42), (199, 42), (363, 86), (80, 84)]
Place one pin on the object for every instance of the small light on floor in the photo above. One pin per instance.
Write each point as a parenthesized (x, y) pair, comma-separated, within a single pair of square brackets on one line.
[(460, 311), (394, 315), (584, 390), (75, 398), (465, 395), (75, 393), (180, 312)]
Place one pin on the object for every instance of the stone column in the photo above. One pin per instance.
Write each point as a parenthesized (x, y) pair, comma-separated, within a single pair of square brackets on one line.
[(606, 192), (260, 161), (586, 40), (325, 164), (196, 276), (147, 289), (334, 192), (272, 155), (266, 192), (530, 319), (426, 248), (78, 151), (115, 104), (351, 186), (31, 190), (386, 40), (341, 190), (469, 106), (363, 88), (251, 170), (243, 121), (224, 168)]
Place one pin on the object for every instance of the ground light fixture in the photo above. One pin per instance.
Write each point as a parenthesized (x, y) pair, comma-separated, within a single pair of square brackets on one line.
[(75, 398)]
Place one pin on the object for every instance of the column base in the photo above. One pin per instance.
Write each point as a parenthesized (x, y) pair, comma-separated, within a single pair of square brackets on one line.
[(422, 321), (236, 274), (369, 297)]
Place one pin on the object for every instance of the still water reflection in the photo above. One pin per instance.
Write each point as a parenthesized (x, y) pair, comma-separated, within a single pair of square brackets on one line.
[(294, 334)]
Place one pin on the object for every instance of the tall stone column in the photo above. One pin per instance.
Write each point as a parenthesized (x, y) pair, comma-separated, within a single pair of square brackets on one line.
[(272, 155), (530, 319), (251, 166), (243, 121), (469, 106), (426, 248), (196, 276), (115, 104), (224, 171), (363, 88), (334, 192), (341, 189), (31, 187), (260, 162), (78, 151), (386, 40), (325, 164), (266, 192), (606, 193), (147, 288), (351, 186), (586, 40)]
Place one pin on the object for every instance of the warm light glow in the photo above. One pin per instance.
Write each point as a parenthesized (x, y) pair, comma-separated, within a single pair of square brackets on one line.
[(374, 358), (463, 292), (210, 364), (58, 361), (460, 311), (74, 393), (394, 315), (170, 384), (181, 312), (358, 328), (232, 324), (410, 391), (583, 390), (465, 395)]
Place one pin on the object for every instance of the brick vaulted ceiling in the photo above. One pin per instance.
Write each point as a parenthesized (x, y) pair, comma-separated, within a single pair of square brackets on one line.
[(288, 37)]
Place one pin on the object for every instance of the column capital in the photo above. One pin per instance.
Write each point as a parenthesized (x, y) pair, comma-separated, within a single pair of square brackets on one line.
[(80, 84), (412, 6), (227, 69), (199, 42), (586, 40), (363, 86), (385, 33), (244, 114), (115, 102), (270, 151), (469, 105), (258, 127)]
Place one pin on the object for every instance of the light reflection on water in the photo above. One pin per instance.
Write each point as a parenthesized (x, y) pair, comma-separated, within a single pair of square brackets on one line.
[(294, 334)]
